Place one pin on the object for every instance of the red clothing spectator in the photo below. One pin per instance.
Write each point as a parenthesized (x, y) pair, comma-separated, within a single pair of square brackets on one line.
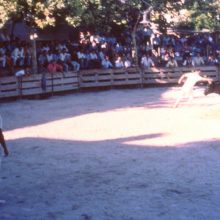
[(54, 67)]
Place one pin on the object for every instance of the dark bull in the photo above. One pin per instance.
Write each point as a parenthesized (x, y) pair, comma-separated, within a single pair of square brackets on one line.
[(214, 87)]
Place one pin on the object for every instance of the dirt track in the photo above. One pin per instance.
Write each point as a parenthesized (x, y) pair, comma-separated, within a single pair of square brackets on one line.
[(112, 155)]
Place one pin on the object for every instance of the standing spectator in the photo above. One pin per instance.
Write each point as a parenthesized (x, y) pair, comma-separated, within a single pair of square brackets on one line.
[(62, 59), (9, 63), (27, 55), (81, 56), (147, 33), (18, 56), (42, 58), (156, 43), (149, 48)]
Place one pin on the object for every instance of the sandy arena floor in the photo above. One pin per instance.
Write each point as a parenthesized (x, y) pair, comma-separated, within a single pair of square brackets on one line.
[(112, 155)]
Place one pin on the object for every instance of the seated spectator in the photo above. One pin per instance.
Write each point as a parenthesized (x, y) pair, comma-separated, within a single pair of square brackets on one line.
[(73, 61), (9, 63), (198, 60), (93, 60), (146, 61), (42, 58), (50, 56), (106, 63), (172, 63), (2, 60), (54, 66), (81, 56), (148, 48), (62, 59), (119, 62), (188, 61), (210, 60), (27, 55), (127, 61)]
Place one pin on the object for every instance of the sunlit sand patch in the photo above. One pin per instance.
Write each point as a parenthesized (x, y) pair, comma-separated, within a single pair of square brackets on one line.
[(125, 125)]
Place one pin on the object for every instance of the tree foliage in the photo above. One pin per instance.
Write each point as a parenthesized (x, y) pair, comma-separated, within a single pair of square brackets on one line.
[(35, 13), (106, 15), (203, 14)]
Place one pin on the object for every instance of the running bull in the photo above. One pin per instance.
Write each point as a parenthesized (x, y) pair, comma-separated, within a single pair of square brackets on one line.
[(214, 87)]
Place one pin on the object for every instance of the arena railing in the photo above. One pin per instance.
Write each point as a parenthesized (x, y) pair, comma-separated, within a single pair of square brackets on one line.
[(49, 84)]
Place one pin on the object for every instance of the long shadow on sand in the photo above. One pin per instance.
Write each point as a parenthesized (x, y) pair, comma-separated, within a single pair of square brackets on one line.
[(108, 180)]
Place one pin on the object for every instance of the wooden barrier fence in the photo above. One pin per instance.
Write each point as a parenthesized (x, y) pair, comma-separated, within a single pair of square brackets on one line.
[(59, 82)]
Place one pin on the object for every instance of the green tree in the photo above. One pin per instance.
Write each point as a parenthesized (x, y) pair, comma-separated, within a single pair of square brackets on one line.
[(38, 14), (203, 14)]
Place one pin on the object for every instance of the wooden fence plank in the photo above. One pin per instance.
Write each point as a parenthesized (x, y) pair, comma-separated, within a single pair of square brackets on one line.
[(9, 86)]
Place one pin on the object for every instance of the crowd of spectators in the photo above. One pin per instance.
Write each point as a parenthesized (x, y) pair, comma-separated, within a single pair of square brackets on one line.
[(92, 50)]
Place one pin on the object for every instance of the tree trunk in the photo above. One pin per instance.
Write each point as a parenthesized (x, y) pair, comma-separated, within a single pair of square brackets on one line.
[(134, 42)]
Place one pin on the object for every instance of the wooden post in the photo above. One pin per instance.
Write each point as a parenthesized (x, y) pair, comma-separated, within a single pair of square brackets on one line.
[(34, 56)]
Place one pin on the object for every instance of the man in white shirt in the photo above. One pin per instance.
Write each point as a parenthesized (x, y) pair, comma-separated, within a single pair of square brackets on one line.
[(119, 62), (18, 56), (198, 60), (190, 81), (22, 72), (146, 61), (172, 63)]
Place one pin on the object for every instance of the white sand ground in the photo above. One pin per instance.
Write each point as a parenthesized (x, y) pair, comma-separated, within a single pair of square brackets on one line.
[(112, 155)]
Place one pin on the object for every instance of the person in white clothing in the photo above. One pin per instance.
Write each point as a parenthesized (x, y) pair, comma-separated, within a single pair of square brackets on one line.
[(146, 61), (119, 62), (171, 63), (198, 60), (106, 63), (190, 81), (18, 56), (22, 72)]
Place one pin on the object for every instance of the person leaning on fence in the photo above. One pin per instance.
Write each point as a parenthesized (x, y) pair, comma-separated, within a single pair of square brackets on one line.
[(22, 72)]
